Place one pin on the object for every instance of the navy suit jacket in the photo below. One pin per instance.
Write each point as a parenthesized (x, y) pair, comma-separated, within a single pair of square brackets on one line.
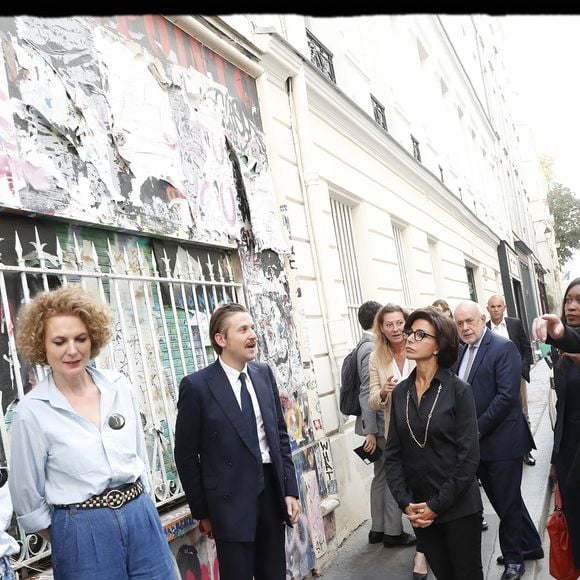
[(519, 337), (495, 379), (213, 452)]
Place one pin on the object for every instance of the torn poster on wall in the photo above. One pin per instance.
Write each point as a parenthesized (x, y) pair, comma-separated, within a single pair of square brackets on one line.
[(128, 122)]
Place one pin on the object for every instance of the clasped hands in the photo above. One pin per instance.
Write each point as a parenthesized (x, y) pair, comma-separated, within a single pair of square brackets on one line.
[(420, 514)]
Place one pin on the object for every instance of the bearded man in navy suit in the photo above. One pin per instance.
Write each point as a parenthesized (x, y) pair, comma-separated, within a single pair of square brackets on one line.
[(491, 364), (232, 453)]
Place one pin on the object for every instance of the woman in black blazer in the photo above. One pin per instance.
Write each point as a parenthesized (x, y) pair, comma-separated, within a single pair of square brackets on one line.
[(432, 450), (566, 452)]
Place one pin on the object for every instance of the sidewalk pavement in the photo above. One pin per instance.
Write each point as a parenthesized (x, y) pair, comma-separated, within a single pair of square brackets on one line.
[(363, 561)]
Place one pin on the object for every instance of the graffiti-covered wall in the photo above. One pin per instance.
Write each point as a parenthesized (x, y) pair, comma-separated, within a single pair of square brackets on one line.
[(129, 124)]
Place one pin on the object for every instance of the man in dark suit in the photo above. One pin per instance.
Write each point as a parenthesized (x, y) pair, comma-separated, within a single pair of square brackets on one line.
[(513, 329), (232, 453), (491, 364)]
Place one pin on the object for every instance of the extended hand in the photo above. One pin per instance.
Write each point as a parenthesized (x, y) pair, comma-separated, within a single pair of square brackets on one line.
[(547, 324), (293, 508)]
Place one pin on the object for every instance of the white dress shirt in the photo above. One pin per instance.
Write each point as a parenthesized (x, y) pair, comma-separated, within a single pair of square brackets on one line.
[(500, 328), (59, 457), (461, 370), (234, 378), (397, 374)]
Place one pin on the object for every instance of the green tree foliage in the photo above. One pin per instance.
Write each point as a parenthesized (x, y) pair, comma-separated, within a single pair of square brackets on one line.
[(565, 207)]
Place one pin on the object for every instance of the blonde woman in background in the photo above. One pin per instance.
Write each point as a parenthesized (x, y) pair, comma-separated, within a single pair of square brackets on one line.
[(388, 366)]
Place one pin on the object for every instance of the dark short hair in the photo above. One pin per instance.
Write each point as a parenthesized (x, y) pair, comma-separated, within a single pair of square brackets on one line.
[(445, 330), (366, 313), (217, 323), (575, 282)]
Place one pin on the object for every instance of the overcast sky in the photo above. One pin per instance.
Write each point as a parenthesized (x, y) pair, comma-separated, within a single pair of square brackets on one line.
[(544, 52)]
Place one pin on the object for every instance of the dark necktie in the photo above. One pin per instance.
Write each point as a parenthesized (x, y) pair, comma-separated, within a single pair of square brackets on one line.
[(250, 419)]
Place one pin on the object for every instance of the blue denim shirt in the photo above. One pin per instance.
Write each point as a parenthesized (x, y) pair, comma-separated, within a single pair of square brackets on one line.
[(59, 457)]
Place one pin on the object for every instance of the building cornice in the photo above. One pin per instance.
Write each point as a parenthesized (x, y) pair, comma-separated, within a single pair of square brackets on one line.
[(337, 109)]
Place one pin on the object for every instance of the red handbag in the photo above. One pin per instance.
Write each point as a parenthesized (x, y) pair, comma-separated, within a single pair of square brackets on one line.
[(561, 560)]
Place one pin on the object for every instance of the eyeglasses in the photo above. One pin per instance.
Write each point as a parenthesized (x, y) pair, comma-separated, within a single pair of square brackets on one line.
[(418, 335)]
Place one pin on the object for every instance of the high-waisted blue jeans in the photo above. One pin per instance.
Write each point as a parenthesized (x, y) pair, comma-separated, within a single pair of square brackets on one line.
[(111, 544)]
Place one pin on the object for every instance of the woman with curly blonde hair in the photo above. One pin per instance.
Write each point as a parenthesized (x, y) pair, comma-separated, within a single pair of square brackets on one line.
[(78, 461), (388, 366)]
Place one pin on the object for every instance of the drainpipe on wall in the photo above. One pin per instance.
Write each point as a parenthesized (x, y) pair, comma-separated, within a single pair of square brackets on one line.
[(315, 195)]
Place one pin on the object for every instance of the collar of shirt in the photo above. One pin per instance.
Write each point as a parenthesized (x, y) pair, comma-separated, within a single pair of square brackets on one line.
[(500, 328), (232, 373), (47, 390), (438, 379), (397, 372)]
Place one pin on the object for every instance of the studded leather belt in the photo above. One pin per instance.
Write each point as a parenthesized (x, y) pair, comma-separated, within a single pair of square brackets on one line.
[(113, 498)]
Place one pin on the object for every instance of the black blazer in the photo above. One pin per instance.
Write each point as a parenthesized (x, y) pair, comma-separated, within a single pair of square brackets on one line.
[(213, 452), (570, 342), (561, 367), (495, 380), (443, 472), (519, 337)]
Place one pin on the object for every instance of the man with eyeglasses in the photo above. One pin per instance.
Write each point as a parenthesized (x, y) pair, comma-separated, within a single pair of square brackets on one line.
[(491, 364)]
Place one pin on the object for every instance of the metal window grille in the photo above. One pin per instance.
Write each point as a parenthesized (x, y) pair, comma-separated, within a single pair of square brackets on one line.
[(342, 219), (399, 247), (161, 308), (416, 150), (379, 113), (471, 283), (320, 56)]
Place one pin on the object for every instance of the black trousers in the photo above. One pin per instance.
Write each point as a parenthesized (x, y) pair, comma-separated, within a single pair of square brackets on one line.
[(453, 549), (265, 558), (501, 481)]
